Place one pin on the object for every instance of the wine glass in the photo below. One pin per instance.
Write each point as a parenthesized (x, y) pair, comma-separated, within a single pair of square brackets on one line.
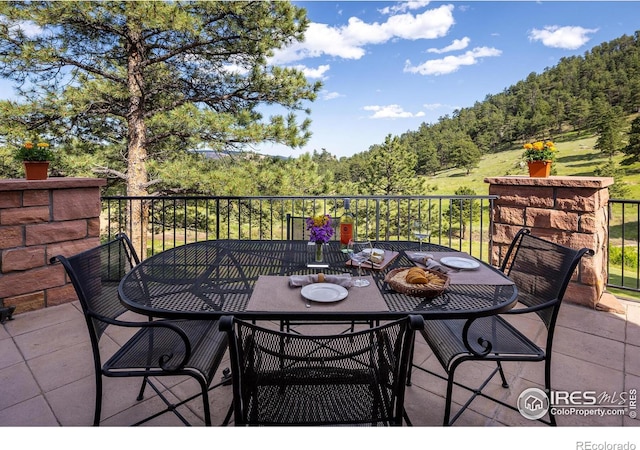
[(420, 230), (359, 252)]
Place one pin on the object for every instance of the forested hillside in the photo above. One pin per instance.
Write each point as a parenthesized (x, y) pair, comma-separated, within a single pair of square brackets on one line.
[(593, 97), (579, 93)]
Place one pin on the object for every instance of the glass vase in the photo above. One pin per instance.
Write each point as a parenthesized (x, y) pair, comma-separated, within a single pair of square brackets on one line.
[(319, 251)]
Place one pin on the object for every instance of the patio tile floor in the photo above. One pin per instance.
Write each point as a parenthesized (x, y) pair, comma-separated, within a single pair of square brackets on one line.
[(46, 374)]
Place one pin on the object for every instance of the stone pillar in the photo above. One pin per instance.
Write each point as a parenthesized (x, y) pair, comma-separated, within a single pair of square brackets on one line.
[(38, 220), (572, 211)]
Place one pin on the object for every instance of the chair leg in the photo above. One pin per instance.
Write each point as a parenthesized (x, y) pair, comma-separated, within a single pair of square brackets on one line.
[(406, 418), (141, 393), (98, 409), (552, 418), (475, 392), (205, 404), (547, 386), (447, 406), (505, 384), (227, 418), (410, 365)]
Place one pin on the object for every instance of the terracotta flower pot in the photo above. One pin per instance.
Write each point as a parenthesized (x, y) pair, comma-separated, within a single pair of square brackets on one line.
[(36, 170), (539, 169)]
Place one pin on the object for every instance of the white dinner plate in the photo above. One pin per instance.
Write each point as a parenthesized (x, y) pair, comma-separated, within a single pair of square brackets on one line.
[(324, 292), (460, 263)]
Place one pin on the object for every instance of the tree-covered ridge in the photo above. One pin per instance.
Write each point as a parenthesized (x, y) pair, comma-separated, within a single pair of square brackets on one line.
[(576, 94)]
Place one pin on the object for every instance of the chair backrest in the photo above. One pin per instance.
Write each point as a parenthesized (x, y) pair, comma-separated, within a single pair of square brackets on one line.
[(297, 228), (95, 275), (542, 271), (351, 378)]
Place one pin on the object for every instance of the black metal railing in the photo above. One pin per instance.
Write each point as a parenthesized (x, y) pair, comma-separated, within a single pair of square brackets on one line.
[(624, 244), (460, 222)]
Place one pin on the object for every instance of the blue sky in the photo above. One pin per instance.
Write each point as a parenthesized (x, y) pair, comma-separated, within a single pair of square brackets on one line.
[(388, 67)]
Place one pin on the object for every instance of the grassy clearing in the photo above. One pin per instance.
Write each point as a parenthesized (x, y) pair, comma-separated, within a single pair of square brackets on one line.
[(575, 158), (624, 294)]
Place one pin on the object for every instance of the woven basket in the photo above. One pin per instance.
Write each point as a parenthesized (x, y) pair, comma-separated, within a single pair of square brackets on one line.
[(396, 280)]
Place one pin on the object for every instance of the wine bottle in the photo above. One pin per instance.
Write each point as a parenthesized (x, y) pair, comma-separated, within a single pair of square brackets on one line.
[(346, 226)]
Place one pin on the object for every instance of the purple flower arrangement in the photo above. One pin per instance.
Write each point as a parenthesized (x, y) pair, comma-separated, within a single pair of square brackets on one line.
[(320, 229)]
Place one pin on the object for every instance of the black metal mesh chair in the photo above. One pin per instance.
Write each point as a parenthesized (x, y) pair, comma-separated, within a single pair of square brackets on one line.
[(289, 379), (297, 228), (159, 348), (541, 271)]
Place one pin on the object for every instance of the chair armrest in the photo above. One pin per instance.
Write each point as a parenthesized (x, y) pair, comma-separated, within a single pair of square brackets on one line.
[(416, 322), (162, 362), (484, 343), (531, 309), (225, 323)]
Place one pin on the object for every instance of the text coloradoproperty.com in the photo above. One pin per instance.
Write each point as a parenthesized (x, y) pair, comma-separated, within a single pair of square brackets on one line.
[(568, 411)]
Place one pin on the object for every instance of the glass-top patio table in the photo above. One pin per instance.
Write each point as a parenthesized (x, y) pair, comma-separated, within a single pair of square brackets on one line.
[(209, 279)]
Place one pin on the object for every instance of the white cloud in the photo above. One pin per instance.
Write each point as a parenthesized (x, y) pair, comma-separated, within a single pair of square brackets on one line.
[(569, 38), (457, 44), (331, 95), (404, 6), (430, 24), (313, 73), (391, 112), (29, 28), (450, 64), (348, 41), (235, 68), (319, 39)]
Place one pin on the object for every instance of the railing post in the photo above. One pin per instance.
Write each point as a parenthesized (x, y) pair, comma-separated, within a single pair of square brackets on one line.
[(378, 219), (42, 219), (570, 211), (217, 218), (491, 226)]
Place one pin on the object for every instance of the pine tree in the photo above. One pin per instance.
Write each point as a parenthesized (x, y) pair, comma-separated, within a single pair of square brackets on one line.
[(153, 77), (610, 130), (632, 149), (390, 169)]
